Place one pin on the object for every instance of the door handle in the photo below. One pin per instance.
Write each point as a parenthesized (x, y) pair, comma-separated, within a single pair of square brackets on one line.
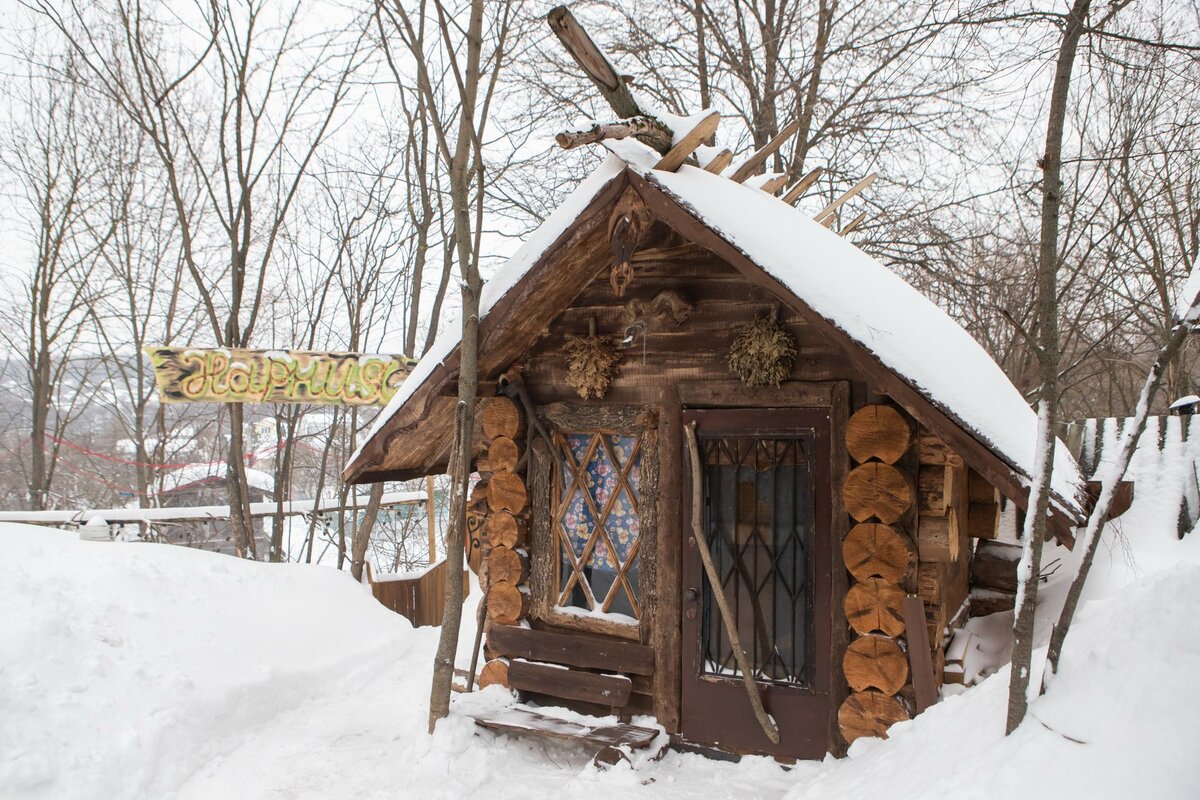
[(691, 595)]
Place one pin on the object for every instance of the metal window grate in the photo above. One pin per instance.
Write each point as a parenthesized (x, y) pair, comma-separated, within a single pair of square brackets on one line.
[(758, 507)]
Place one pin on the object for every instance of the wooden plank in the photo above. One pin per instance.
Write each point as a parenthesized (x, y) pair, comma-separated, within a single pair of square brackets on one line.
[(523, 721), (827, 212), (920, 660), (852, 224), (667, 634), (583, 650), (719, 162), (570, 684), (751, 164), (801, 186), (688, 143)]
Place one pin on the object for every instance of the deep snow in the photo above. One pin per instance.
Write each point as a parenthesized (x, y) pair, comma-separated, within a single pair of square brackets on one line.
[(133, 670)]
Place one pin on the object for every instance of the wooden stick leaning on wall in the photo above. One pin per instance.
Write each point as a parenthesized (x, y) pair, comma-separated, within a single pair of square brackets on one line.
[(768, 725)]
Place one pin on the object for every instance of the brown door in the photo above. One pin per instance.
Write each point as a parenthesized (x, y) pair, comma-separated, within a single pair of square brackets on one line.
[(766, 509)]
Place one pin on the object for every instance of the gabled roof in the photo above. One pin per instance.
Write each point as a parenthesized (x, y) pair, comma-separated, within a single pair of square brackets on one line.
[(920, 356)]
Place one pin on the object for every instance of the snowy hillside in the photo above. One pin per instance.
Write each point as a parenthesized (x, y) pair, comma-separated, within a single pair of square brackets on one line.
[(133, 670)]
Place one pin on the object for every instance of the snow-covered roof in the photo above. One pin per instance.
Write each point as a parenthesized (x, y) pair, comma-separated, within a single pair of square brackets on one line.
[(908, 333), (193, 474)]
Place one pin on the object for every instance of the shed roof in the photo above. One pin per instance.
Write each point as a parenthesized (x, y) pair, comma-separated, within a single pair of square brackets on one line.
[(859, 298)]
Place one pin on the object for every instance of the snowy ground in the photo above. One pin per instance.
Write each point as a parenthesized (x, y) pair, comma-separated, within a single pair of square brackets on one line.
[(132, 670)]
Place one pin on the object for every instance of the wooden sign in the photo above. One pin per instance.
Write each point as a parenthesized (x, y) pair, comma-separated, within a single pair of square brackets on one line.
[(220, 375)]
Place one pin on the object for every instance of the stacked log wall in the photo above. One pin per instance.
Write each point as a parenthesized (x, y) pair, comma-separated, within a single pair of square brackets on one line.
[(879, 494), (499, 511)]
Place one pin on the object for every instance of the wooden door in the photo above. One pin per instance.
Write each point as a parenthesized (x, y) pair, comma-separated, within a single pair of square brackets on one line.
[(766, 507)]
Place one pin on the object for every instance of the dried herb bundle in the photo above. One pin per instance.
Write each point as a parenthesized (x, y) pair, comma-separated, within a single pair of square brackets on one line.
[(763, 352), (591, 365)]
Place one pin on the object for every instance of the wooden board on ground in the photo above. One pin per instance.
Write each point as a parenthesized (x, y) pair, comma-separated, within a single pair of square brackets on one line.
[(524, 721)]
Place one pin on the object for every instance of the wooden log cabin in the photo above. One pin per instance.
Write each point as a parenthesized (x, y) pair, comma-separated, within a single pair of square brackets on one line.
[(732, 469)]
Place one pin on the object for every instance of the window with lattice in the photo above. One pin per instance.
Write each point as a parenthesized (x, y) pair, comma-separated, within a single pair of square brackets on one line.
[(597, 521)]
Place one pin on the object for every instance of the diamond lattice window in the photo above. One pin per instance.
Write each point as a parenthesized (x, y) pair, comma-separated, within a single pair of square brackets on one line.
[(597, 521)]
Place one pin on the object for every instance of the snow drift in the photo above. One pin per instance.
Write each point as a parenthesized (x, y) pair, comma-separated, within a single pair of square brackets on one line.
[(136, 670)]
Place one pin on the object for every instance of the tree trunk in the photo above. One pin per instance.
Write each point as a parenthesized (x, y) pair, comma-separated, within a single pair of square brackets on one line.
[(239, 493), (461, 176), (362, 536), (1048, 358)]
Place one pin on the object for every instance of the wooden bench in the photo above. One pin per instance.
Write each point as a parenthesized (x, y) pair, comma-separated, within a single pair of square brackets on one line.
[(542, 662), (584, 668)]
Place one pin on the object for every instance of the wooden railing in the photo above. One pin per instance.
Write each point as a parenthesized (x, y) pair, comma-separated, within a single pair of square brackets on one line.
[(421, 597)]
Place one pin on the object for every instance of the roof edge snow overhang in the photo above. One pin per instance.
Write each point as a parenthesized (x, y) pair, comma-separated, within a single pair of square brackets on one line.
[(1012, 481)]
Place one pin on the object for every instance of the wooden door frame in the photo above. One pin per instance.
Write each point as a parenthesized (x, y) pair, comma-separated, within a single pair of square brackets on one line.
[(832, 395)]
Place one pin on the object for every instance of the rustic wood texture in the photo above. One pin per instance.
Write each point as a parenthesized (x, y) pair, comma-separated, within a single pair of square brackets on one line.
[(506, 530), (507, 565), (932, 450), (935, 489), (938, 537), (920, 658), (507, 604), (995, 566), (979, 490), (494, 673), (543, 545), (990, 601), (421, 599), (874, 606), (755, 161), (570, 684), (501, 417), (527, 722), (983, 520), (869, 713), (507, 492), (667, 633), (592, 60), (879, 432), (875, 662), (503, 454), (687, 144), (878, 491), (839, 639), (576, 650), (797, 189), (931, 582), (873, 550), (476, 534)]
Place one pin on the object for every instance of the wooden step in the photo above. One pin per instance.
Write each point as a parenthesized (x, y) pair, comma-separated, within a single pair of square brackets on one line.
[(523, 721), (570, 684)]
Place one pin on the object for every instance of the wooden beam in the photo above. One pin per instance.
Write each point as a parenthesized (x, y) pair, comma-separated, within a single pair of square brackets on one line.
[(836, 204), (801, 186), (592, 60), (751, 165), (645, 129), (719, 162), (575, 650), (852, 224), (688, 143), (773, 185), (920, 659)]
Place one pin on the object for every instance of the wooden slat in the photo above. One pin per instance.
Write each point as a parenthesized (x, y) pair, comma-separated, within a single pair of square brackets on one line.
[(569, 684), (920, 660), (524, 721), (591, 652), (751, 164), (801, 186), (773, 185), (719, 162), (697, 136), (852, 224), (827, 212)]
